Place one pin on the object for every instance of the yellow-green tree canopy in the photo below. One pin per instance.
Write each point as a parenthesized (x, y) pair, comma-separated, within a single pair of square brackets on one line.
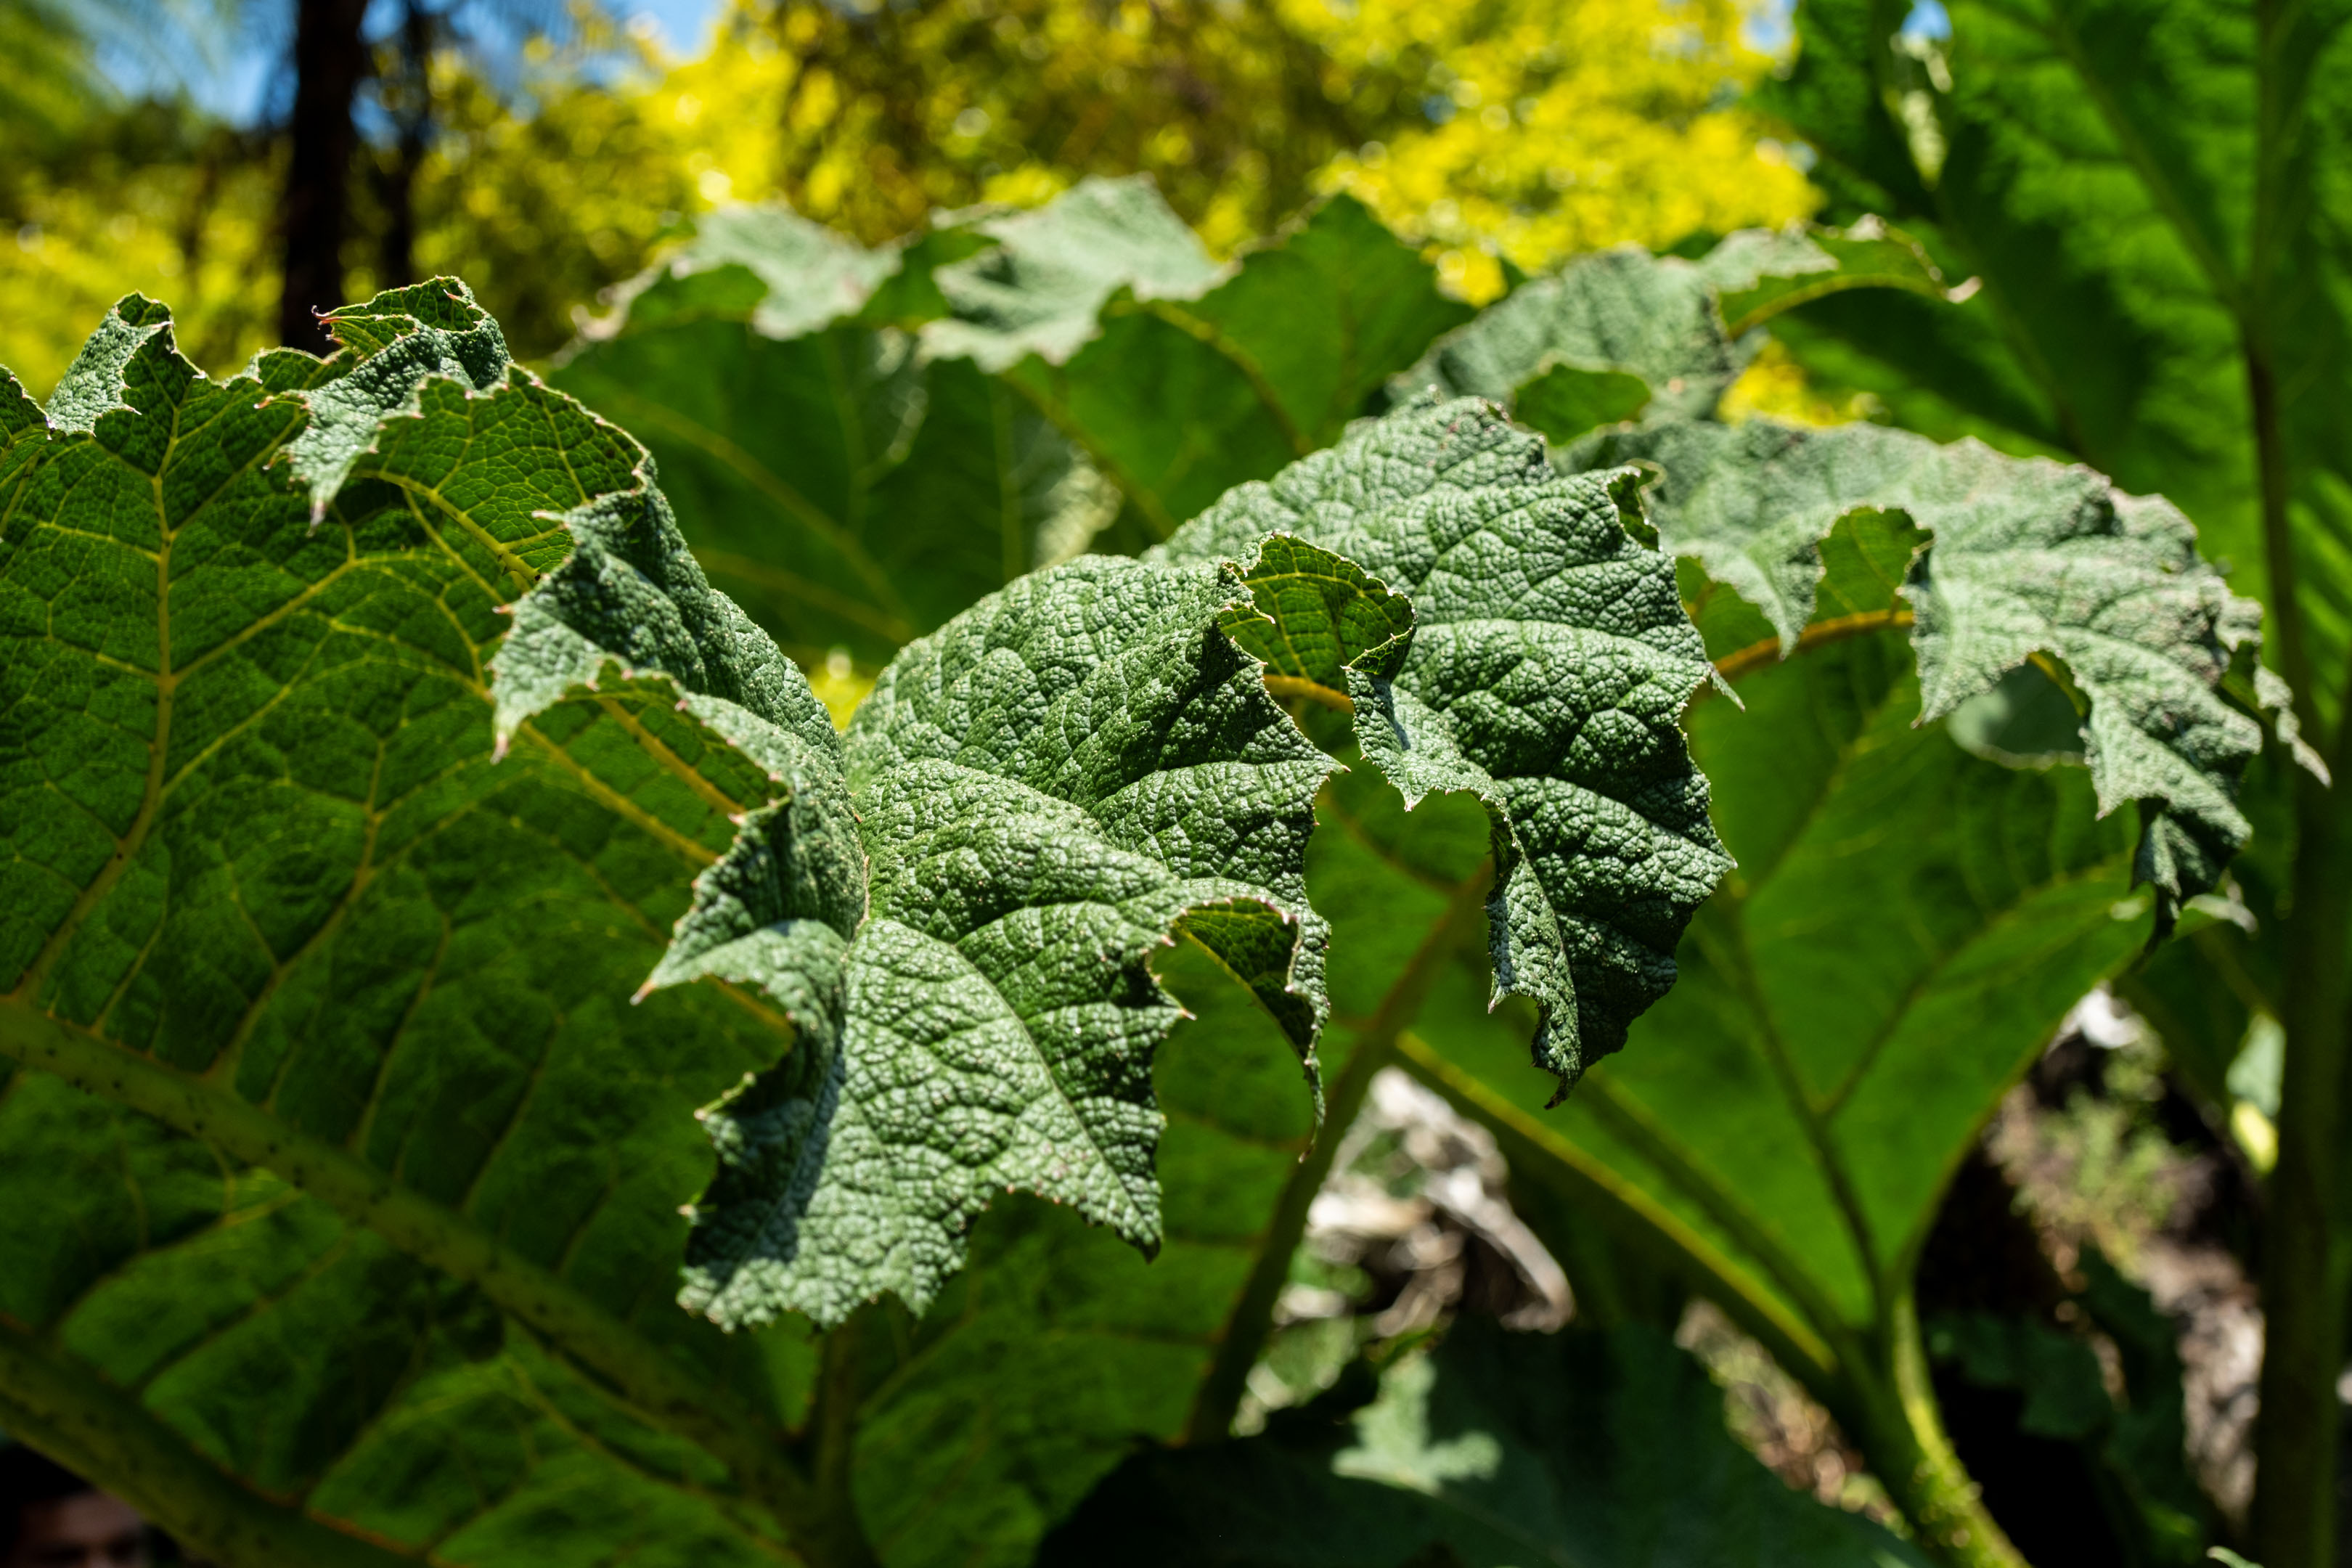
[(1487, 130)]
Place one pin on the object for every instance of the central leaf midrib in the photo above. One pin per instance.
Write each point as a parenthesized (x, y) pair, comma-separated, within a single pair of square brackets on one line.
[(197, 1483), (525, 576), (1637, 1127), (1741, 971)]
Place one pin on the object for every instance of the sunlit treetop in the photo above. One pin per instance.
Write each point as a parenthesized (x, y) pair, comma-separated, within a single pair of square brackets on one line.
[(1546, 131), (1526, 132), (1485, 132)]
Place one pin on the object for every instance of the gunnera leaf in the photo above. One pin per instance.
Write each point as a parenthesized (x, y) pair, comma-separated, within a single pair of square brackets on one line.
[(1054, 782), (1548, 664), (271, 891), (1044, 791), (2027, 557), (1039, 289)]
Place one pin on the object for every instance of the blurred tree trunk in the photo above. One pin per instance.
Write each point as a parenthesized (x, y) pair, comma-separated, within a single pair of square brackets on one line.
[(329, 60)]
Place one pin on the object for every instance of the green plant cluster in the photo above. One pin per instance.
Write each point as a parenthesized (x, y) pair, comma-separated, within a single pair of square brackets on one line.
[(2151, 201), (445, 931)]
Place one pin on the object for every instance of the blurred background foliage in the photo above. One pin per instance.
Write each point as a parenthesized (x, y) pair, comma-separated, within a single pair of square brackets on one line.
[(548, 153)]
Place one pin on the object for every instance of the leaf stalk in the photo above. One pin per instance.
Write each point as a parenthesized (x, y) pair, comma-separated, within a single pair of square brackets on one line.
[(1755, 656), (1902, 1430)]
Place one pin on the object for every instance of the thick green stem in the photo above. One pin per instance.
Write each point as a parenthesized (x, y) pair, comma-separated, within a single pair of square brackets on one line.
[(2306, 1249), (1880, 1394), (2306, 1243), (1902, 1430), (1220, 1391), (831, 1533)]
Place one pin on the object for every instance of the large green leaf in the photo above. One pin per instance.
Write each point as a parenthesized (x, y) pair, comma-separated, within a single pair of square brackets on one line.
[(1494, 1449), (1058, 1347), (1045, 786), (270, 883), (2151, 198), (1548, 664), (234, 1325), (2022, 560), (1622, 313), (1043, 790)]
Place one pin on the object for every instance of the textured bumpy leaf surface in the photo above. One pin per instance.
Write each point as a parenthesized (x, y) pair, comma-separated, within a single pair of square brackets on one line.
[(1044, 789), (2023, 558), (253, 1330), (2061, 129), (1045, 785), (1907, 926), (2124, 355), (263, 875), (1059, 1344), (1494, 1449), (1548, 664), (2026, 557)]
